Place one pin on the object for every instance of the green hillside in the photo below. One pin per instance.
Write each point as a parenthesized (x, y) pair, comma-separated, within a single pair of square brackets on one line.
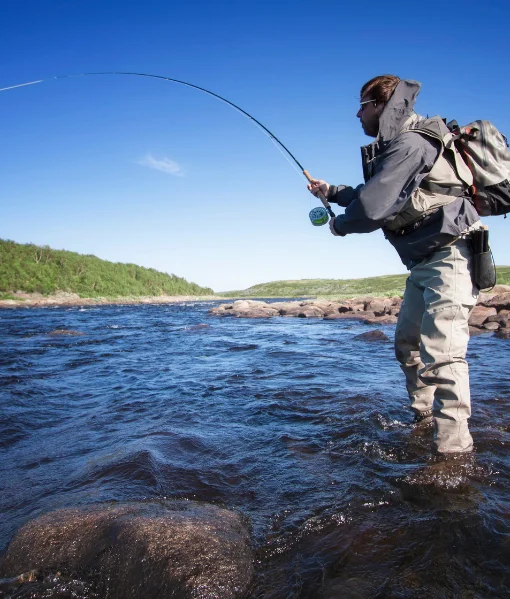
[(34, 269), (387, 285)]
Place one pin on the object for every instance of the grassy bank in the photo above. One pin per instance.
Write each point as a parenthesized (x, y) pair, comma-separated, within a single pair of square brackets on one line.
[(387, 285), (33, 269)]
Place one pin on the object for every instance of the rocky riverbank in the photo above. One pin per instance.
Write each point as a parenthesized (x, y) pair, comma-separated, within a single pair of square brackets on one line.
[(62, 298), (491, 314)]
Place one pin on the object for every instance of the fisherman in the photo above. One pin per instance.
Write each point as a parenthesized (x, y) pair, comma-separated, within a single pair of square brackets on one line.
[(415, 190)]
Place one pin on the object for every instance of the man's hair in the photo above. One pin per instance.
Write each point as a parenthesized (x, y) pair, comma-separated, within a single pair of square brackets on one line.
[(380, 88)]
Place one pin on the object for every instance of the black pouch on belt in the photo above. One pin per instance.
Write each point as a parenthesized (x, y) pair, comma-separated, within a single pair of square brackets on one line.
[(483, 273)]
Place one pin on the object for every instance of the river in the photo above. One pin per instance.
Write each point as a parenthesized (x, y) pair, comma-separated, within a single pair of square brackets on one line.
[(293, 422)]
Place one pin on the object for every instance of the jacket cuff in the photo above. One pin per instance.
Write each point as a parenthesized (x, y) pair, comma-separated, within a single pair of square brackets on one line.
[(342, 195), (338, 220), (332, 192)]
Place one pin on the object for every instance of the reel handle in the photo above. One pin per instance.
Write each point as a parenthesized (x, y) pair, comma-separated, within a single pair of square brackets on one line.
[(321, 196)]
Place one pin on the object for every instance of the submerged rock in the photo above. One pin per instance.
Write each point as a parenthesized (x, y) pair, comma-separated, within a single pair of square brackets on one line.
[(376, 335), (443, 473), (197, 327), (157, 549), (65, 332), (503, 333)]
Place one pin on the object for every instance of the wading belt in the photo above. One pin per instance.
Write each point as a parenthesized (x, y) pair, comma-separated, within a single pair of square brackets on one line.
[(414, 226)]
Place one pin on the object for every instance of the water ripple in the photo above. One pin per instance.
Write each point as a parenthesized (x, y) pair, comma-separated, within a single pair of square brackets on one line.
[(286, 420)]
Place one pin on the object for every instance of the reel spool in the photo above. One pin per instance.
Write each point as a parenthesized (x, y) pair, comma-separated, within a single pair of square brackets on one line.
[(319, 216)]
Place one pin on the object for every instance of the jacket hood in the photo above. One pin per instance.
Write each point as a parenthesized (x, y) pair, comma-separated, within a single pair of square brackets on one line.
[(398, 109)]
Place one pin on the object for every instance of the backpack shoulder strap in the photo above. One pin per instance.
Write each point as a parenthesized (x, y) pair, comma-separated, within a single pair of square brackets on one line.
[(436, 128)]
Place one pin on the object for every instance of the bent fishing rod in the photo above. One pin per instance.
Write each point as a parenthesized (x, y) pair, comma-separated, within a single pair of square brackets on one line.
[(318, 216)]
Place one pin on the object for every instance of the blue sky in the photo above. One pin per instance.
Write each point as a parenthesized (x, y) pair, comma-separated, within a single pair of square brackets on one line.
[(138, 170)]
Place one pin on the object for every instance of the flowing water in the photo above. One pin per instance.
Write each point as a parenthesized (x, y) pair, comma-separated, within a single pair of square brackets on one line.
[(292, 422)]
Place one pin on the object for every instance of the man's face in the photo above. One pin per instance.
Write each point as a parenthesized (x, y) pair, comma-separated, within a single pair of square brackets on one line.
[(368, 114)]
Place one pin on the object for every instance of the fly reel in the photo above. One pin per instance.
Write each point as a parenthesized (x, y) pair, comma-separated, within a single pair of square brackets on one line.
[(319, 216)]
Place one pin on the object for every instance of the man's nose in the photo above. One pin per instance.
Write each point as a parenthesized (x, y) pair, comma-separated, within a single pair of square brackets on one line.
[(358, 114)]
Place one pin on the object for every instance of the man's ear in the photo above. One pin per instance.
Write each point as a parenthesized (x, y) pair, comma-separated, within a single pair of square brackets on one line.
[(379, 108)]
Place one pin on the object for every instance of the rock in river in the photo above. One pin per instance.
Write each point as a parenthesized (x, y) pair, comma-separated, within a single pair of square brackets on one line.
[(491, 314), (379, 310), (65, 332), (155, 549), (376, 335)]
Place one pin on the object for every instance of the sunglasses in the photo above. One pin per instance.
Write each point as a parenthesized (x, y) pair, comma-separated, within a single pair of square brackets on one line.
[(362, 104)]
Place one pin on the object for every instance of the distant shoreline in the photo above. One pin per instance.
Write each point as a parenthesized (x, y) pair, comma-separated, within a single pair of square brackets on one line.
[(36, 300), (63, 298)]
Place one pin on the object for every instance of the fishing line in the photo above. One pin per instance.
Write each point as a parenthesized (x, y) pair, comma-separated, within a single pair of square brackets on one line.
[(285, 155), (315, 220)]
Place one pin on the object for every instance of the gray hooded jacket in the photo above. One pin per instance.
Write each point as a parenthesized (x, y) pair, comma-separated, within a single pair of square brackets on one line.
[(394, 166)]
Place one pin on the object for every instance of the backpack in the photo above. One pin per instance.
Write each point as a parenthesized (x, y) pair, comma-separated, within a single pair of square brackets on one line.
[(485, 151)]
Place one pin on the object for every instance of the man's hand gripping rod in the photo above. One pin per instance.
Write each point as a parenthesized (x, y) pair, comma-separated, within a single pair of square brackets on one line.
[(319, 216)]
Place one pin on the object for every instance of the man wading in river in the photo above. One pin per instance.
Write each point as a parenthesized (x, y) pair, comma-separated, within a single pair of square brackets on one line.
[(413, 192)]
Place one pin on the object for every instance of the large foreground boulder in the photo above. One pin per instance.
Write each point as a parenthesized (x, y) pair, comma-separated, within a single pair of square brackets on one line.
[(162, 549)]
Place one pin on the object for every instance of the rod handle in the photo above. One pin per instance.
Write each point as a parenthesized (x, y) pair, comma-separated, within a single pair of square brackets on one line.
[(321, 196)]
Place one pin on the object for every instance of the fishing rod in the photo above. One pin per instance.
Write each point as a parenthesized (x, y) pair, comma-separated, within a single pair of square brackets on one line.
[(318, 216)]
